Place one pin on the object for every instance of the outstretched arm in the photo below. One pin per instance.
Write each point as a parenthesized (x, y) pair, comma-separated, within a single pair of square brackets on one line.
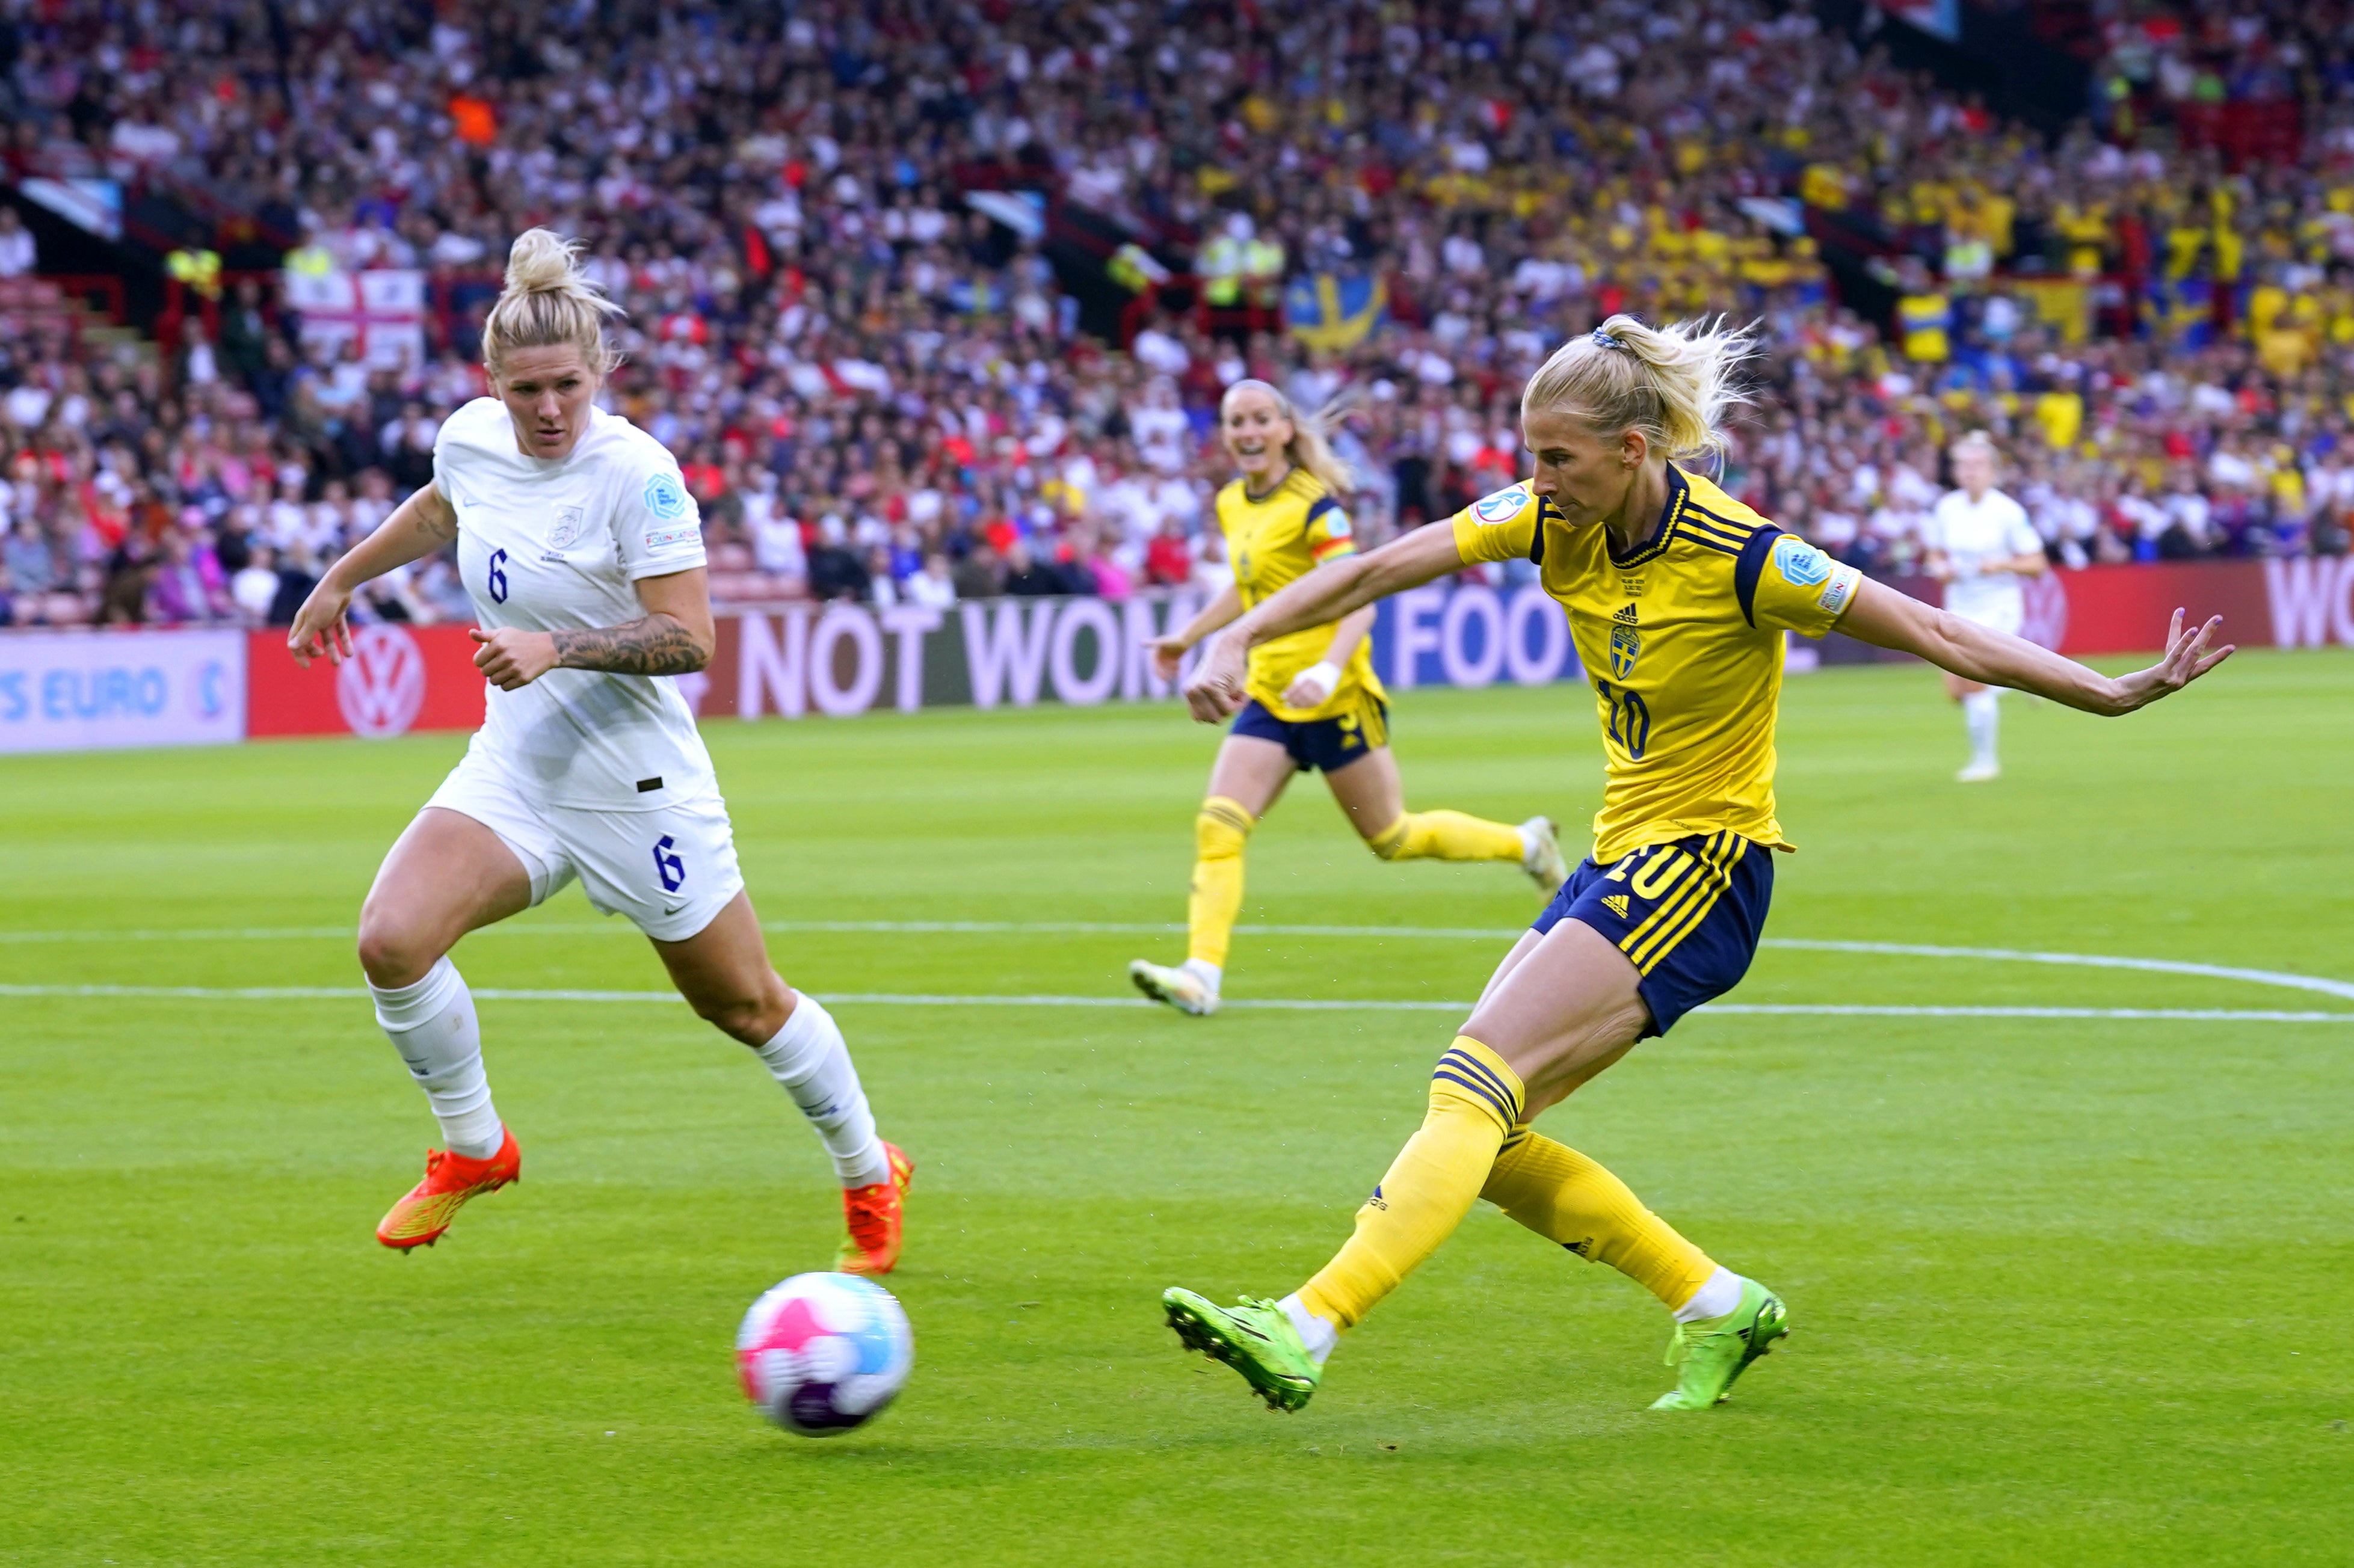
[(674, 636), (1167, 652), (1887, 619), (418, 527), (1326, 593)]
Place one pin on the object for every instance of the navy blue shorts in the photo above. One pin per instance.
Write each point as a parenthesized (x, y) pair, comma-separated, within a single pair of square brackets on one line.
[(1328, 744), (1688, 914)]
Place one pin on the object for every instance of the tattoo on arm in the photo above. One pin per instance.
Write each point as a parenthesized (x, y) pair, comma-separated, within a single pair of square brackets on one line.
[(653, 645), (432, 516)]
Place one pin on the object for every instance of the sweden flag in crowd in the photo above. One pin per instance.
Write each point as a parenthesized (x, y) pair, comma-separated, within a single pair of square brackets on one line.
[(2184, 311), (1330, 310)]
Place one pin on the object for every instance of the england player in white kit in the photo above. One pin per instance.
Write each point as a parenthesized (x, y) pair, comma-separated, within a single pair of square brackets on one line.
[(582, 552), (1981, 545)]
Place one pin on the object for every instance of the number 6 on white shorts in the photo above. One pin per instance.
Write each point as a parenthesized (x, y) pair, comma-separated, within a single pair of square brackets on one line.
[(667, 866)]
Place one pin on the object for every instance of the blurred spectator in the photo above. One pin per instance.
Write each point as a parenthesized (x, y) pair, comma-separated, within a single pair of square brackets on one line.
[(295, 581), (980, 575), (254, 589), (1026, 576), (1212, 576), (186, 583), (1089, 570), (934, 587), (835, 569), (1168, 560), (16, 249)]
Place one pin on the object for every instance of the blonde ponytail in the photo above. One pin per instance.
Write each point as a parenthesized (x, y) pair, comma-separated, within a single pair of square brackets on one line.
[(1311, 446), (548, 302), (1672, 383)]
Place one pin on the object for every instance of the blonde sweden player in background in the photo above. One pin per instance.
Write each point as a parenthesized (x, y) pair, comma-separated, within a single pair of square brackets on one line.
[(1313, 700), (583, 554), (1678, 597), (1981, 545)]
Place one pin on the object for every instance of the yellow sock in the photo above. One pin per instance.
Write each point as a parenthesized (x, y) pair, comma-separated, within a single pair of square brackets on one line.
[(1563, 1196), (1447, 835), (1217, 898), (1474, 1099)]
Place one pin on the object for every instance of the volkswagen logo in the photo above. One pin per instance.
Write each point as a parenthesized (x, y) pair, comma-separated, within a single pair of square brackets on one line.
[(382, 686)]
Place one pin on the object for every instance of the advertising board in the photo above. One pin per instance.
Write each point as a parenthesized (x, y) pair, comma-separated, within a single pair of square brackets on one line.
[(81, 690)]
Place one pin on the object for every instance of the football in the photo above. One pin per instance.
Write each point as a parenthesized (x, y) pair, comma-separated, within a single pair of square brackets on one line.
[(821, 1353)]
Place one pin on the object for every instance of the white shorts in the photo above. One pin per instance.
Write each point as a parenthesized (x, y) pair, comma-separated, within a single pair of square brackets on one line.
[(2006, 614), (671, 869)]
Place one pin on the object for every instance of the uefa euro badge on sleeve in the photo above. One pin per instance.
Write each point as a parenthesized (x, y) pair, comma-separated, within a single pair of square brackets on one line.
[(665, 497), (1501, 507), (1800, 564)]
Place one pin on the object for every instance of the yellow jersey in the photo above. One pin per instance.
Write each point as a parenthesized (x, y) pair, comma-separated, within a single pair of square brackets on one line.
[(1273, 541), (1682, 641)]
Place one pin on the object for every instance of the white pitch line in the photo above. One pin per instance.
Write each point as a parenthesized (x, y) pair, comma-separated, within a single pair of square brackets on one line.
[(192, 934), (884, 999), (2173, 1014), (2079, 960), (909, 928), (2284, 980)]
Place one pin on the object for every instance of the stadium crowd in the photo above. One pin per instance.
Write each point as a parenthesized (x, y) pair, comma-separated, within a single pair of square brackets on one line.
[(878, 388)]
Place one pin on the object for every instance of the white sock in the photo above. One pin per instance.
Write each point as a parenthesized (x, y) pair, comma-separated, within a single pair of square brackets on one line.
[(1721, 1294), (1981, 714), (1316, 1334), (808, 1056), (1208, 973), (431, 1025)]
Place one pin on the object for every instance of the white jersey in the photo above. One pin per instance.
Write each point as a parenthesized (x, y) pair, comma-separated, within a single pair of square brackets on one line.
[(1970, 534), (549, 545)]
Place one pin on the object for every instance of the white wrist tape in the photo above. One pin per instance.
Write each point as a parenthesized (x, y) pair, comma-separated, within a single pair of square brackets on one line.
[(1324, 673)]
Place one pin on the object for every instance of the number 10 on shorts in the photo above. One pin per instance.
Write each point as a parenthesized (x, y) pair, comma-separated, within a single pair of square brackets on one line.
[(667, 866)]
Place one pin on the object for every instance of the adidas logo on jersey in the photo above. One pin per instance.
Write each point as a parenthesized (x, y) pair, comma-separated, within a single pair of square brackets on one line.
[(1616, 904)]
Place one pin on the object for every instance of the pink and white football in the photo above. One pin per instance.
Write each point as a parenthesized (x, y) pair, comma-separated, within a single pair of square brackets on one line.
[(825, 1352)]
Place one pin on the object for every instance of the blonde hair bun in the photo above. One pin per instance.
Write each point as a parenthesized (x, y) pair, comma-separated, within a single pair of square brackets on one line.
[(548, 302), (542, 262), (1675, 384)]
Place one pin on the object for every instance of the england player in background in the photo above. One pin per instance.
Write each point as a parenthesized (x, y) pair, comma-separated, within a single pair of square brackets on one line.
[(1980, 544), (583, 554)]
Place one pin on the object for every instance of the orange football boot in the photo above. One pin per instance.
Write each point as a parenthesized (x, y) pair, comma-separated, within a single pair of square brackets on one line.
[(420, 1216), (873, 1214)]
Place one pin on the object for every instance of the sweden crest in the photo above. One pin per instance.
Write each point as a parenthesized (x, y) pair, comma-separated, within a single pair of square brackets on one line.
[(1626, 643)]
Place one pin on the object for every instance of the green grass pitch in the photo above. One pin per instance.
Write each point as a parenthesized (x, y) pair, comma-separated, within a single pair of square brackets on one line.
[(2065, 1290)]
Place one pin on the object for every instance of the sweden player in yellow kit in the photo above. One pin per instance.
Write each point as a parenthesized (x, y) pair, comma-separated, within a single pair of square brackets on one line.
[(1678, 597), (1311, 699)]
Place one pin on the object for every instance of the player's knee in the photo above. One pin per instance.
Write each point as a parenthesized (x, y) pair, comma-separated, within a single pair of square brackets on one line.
[(392, 955), (1220, 829), (752, 1017), (1390, 842), (738, 1017)]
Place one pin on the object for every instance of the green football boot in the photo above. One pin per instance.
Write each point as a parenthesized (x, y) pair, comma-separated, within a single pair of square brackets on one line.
[(1716, 1351), (1252, 1337)]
